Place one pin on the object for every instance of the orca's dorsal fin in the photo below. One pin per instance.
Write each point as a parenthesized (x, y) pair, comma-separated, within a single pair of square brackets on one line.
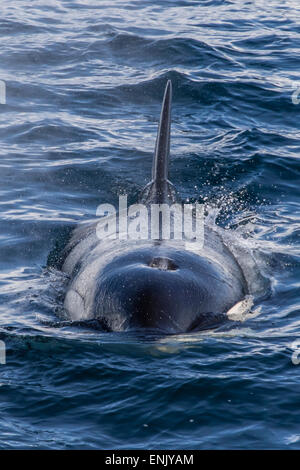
[(160, 190)]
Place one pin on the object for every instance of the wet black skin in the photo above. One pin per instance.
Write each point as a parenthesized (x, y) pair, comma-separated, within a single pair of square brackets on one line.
[(174, 291)]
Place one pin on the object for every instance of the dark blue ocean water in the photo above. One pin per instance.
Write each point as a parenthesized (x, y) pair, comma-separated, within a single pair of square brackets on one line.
[(84, 83)]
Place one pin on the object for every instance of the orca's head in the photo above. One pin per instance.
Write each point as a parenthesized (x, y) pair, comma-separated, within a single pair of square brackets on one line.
[(161, 288)]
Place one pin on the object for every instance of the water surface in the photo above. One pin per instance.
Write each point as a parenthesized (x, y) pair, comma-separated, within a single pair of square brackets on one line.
[(84, 86)]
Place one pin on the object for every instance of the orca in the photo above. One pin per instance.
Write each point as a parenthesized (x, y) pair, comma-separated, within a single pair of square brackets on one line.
[(164, 285)]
